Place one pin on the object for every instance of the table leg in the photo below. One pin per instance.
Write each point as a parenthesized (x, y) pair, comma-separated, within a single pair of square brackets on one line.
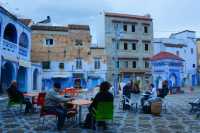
[(80, 114)]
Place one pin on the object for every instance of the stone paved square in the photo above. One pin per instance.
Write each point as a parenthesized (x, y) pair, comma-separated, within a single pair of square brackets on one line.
[(176, 119)]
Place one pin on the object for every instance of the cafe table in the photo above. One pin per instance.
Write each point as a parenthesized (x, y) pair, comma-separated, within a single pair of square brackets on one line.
[(31, 95), (80, 103)]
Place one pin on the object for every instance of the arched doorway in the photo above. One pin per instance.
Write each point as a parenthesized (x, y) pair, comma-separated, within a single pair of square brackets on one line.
[(173, 80), (23, 40), (7, 75), (35, 79), (22, 79), (10, 33), (159, 82)]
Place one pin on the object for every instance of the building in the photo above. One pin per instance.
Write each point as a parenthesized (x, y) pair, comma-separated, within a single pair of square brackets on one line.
[(128, 45), (15, 48), (183, 44), (167, 66), (198, 59), (65, 53), (97, 67)]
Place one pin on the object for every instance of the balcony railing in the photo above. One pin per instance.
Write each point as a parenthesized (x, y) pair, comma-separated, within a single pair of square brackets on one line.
[(23, 51), (9, 46)]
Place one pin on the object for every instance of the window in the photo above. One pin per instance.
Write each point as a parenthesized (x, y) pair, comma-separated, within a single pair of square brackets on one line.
[(97, 63), (146, 64), (146, 47), (78, 63), (145, 29), (192, 51), (46, 65), (116, 27), (177, 53), (134, 64), (126, 64), (193, 65), (125, 27), (125, 46), (49, 41), (61, 65), (133, 28), (133, 46), (78, 43)]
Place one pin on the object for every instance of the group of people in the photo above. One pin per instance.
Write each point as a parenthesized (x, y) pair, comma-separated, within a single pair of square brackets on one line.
[(150, 94), (131, 87), (55, 103)]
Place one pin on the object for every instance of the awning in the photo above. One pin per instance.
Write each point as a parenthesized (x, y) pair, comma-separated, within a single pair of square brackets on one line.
[(24, 63)]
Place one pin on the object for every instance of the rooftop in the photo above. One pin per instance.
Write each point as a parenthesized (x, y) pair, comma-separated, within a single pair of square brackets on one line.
[(60, 28), (165, 55), (26, 22), (146, 17), (49, 28)]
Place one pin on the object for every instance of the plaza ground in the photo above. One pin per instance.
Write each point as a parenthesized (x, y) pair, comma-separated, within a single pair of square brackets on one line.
[(176, 119)]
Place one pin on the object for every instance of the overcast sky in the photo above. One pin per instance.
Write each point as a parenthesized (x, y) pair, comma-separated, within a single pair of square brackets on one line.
[(168, 15)]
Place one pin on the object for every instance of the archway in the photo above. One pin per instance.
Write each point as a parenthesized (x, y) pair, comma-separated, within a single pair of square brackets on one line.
[(173, 80), (7, 75), (23, 40), (159, 82), (22, 79), (35, 79), (10, 33)]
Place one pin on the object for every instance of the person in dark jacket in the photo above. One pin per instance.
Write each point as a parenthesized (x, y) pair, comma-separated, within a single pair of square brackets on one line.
[(102, 96), (127, 90), (16, 96), (165, 90)]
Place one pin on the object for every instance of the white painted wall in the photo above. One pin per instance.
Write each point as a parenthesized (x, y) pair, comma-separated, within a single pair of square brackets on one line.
[(187, 38)]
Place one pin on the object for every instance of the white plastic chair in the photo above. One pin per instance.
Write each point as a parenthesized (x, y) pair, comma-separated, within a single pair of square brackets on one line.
[(135, 100)]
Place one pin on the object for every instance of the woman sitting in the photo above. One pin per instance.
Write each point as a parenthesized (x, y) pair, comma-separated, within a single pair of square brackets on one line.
[(16, 96), (102, 96)]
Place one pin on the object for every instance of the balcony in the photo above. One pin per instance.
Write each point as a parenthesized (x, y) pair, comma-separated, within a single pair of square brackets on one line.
[(9, 46), (23, 51), (135, 70)]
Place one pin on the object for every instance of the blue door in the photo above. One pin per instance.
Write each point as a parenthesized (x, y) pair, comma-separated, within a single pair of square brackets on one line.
[(193, 80)]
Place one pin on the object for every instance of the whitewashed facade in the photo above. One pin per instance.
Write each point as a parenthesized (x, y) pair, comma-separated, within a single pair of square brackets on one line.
[(15, 48), (182, 44)]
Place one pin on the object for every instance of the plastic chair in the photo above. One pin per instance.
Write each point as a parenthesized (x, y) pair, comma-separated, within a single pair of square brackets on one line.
[(103, 112), (40, 100), (135, 100), (43, 113), (14, 103)]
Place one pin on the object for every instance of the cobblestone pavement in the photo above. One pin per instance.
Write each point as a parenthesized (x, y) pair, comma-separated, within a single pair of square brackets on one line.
[(176, 119)]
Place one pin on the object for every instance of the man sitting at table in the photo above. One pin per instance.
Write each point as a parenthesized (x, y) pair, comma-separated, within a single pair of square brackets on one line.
[(54, 103), (16, 96), (102, 96)]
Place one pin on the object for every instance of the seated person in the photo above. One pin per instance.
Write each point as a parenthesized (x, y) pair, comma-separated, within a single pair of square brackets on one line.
[(149, 94), (165, 90), (136, 89), (54, 103), (127, 90), (101, 96), (16, 96)]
